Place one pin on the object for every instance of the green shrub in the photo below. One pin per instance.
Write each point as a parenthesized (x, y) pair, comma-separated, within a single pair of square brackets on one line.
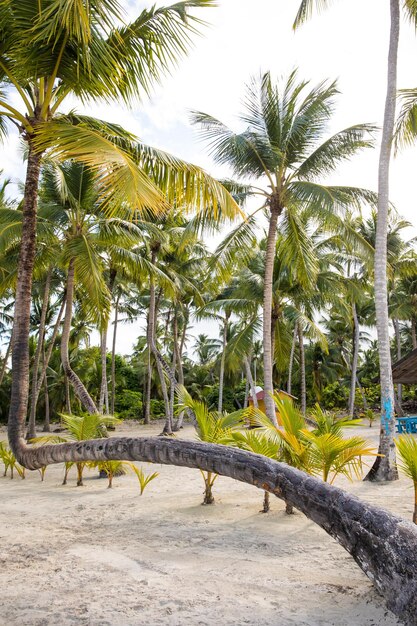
[(334, 396), (129, 404), (157, 408)]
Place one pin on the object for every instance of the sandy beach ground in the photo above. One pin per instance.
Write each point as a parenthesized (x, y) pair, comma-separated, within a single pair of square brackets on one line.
[(78, 556)]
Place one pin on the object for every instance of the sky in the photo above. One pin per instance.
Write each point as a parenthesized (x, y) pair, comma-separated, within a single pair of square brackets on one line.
[(348, 42)]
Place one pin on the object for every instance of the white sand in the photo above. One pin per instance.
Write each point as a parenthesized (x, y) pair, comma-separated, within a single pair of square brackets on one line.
[(94, 556)]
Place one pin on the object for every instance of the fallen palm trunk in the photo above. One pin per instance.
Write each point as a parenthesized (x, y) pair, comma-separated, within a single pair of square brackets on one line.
[(383, 545)]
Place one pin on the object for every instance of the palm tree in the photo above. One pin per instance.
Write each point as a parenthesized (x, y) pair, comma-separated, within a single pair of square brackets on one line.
[(49, 53), (281, 145), (384, 468)]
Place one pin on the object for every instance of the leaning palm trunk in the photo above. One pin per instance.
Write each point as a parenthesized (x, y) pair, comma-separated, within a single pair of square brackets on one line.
[(267, 311), (148, 385), (384, 468), (383, 545), (355, 356), (292, 354), (302, 370), (31, 432), (6, 358), (72, 377), (222, 364)]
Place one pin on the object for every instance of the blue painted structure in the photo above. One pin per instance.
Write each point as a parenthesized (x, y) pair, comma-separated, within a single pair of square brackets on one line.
[(407, 424)]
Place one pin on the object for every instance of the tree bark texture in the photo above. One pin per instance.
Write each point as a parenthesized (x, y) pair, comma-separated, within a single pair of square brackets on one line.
[(179, 347), (302, 370), (6, 358), (384, 468), (31, 433), (113, 354), (72, 377), (222, 363), (292, 354), (21, 320), (396, 324), (104, 394), (267, 314), (250, 380), (383, 545), (355, 356)]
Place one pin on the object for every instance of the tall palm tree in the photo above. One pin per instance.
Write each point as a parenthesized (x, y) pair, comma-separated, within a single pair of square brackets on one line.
[(51, 52), (281, 149), (384, 467)]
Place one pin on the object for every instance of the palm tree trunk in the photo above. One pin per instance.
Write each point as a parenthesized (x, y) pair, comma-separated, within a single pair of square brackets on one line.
[(413, 333), (355, 356), (292, 354), (384, 468), (46, 424), (167, 430), (172, 388), (267, 313), (179, 347), (396, 325), (31, 431), (67, 395), (80, 391), (51, 346), (246, 398), (302, 370), (250, 381), (147, 407), (113, 354), (383, 545), (6, 358), (21, 320), (104, 397), (222, 363)]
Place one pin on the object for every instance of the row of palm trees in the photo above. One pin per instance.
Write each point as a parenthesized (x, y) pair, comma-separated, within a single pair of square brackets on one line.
[(282, 157)]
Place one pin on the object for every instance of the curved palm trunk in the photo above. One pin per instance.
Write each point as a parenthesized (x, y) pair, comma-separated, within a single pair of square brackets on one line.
[(302, 370), (383, 545), (292, 354), (222, 363), (355, 357), (6, 358), (267, 314), (113, 354), (31, 432), (384, 468), (21, 321), (80, 391)]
